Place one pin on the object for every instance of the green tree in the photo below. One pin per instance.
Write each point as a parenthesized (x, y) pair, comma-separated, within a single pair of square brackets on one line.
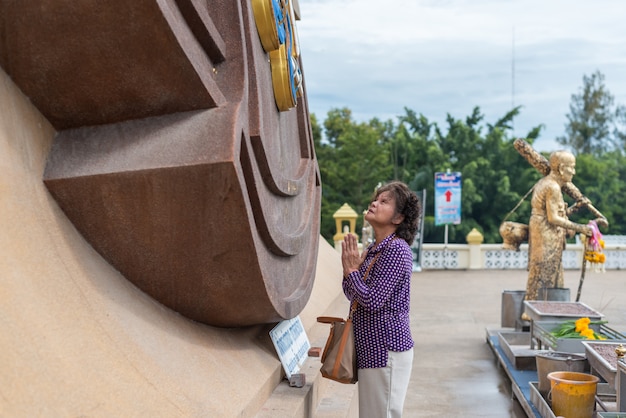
[(353, 158), (619, 131), (591, 118), (495, 177), (596, 133), (603, 180), (416, 156)]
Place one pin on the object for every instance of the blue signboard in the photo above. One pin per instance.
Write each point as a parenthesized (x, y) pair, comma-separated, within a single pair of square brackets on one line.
[(447, 198)]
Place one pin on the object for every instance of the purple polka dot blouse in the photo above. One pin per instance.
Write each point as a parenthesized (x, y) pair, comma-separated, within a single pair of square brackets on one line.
[(381, 319)]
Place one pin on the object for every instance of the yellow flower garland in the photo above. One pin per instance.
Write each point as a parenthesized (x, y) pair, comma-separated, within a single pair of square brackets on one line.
[(579, 329)]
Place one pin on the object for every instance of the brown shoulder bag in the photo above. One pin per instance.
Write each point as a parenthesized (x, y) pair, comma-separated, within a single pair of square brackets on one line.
[(339, 356)]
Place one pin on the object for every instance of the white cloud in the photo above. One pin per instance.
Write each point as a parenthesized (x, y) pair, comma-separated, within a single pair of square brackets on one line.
[(438, 57)]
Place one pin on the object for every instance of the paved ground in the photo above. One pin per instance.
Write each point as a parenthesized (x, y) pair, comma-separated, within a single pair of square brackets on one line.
[(455, 372)]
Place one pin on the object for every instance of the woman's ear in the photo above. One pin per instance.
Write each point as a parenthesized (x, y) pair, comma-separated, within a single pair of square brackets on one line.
[(397, 219)]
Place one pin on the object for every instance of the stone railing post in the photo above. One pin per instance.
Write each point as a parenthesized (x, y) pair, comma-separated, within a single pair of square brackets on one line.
[(475, 239)]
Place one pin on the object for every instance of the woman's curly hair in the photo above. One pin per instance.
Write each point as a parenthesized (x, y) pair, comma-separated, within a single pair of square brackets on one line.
[(407, 204)]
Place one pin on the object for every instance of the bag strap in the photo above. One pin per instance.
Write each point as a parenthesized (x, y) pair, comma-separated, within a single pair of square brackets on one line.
[(367, 272), (342, 346), (329, 319)]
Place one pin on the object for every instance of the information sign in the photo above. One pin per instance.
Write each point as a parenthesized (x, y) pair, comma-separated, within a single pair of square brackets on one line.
[(447, 198), (291, 343)]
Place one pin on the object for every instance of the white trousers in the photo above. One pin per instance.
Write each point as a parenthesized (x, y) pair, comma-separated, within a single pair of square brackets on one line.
[(382, 391)]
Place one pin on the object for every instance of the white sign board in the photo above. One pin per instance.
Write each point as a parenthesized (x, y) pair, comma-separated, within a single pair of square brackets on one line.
[(291, 343)]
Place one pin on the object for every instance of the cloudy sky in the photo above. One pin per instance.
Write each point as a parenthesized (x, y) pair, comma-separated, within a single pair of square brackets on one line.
[(448, 56)]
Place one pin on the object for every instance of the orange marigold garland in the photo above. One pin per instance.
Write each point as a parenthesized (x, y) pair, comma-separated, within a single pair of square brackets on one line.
[(593, 248), (579, 329)]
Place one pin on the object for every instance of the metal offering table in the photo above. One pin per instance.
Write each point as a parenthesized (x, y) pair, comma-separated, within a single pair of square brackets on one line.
[(542, 335), (553, 311), (539, 310), (515, 345), (602, 358), (525, 385), (621, 386)]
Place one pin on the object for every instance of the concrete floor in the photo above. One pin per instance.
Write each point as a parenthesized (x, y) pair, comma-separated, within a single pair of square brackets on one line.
[(455, 372)]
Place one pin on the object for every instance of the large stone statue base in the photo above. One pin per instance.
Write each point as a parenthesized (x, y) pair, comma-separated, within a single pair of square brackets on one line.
[(77, 338)]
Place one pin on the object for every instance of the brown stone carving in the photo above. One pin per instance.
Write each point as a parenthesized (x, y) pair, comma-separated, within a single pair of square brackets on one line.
[(171, 156)]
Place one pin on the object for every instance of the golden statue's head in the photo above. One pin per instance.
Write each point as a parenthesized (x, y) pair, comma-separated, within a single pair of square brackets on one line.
[(563, 164)]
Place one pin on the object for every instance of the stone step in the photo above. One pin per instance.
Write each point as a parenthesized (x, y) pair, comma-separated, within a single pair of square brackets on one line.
[(319, 397), (338, 401)]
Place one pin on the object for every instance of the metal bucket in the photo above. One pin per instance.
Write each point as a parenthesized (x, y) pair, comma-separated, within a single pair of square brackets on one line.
[(555, 361), (558, 294), (512, 307)]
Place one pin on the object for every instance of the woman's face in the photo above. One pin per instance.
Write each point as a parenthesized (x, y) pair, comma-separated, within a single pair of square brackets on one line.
[(382, 211)]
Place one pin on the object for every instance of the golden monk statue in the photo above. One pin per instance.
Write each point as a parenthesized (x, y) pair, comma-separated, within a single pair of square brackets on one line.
[(549, 225)]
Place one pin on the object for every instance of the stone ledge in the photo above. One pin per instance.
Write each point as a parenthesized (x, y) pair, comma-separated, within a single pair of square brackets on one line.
[(319, 397)]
